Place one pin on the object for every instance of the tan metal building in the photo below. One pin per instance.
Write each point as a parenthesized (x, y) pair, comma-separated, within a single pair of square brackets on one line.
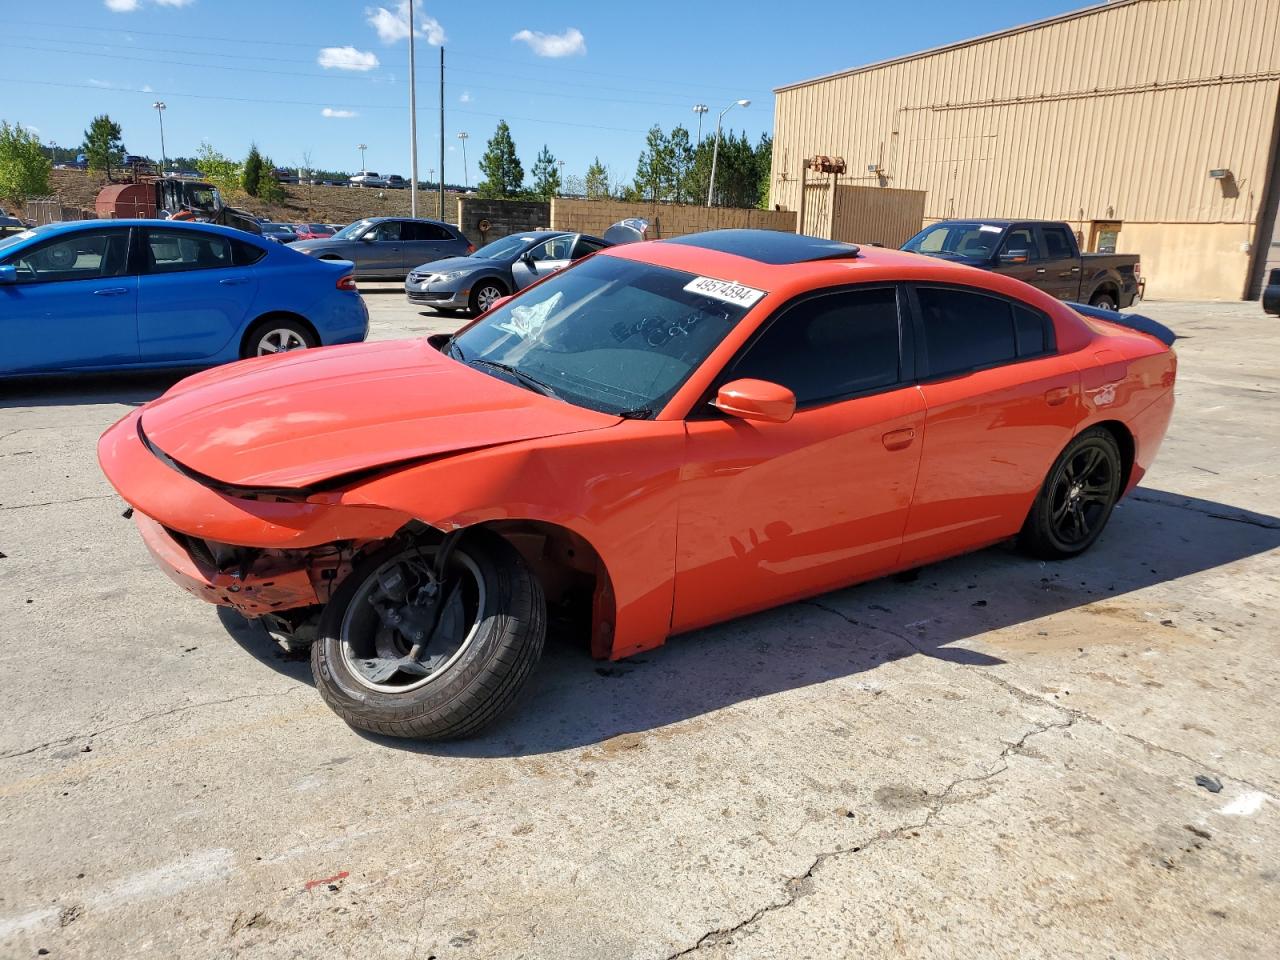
[(1153, 125)]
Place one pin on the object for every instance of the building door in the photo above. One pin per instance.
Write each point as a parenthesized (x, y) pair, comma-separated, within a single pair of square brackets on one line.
[(1104, 236)]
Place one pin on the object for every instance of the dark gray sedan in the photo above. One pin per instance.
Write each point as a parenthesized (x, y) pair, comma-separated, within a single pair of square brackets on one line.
[(387, 248), (497, 269)]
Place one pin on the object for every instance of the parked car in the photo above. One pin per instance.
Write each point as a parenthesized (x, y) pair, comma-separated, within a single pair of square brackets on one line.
[(497, 269), (313, 231), (10, 225), (387, 248), (368, 179), (1042, 253), (397, 182), (116, 294), (661, 437), (279, 232), (1271, 294)]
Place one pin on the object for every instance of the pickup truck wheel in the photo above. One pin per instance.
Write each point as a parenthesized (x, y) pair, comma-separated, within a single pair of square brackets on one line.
[(408, 651), (1103, 301), (1076, 499)]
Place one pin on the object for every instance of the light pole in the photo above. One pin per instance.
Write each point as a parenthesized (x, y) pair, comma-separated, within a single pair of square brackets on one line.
[(462, 135), (362, 147), (715, 152), (159, 108), (560, 164), (699, 109), (413, 123)]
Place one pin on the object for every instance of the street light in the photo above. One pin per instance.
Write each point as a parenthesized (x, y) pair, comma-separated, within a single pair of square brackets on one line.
[(560, 164), (362, 148), (715, 152), (159, 108), (462, 135), (700, 109)]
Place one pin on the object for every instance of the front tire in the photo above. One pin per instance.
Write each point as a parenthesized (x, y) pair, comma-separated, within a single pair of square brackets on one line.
[(385, 662), (1077, 498), (484, 295)]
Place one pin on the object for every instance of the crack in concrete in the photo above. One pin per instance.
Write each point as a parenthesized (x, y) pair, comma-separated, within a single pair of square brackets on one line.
[(795, 886), (57, 503), (1247, 517), (64, 741)]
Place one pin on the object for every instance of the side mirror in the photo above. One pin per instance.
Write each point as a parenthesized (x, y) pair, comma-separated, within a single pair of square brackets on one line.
[(1014, 256), (756, 400), (367, 237), (8, 273)]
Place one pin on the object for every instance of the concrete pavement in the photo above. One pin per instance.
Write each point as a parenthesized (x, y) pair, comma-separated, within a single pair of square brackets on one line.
[(998, 759)]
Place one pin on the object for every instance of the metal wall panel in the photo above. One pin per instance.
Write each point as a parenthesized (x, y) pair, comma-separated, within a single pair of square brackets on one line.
[(1116, 112)]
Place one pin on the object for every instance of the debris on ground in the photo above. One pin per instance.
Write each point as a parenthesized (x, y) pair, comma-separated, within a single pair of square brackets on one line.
[(1212, 784)]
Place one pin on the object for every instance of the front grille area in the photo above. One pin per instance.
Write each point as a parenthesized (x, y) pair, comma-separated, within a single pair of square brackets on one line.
[(424, 296)]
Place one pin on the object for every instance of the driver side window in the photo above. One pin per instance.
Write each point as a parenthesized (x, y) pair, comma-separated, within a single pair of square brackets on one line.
[(387, 231), (1020, 239), (556, 248), (81, 256), (829, 347)]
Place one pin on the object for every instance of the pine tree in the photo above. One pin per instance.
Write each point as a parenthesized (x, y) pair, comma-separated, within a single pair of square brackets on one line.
[(682, 154), (597, 185), (503, 174), (654, 171), (102, 146), (546, 175), (252, 172)]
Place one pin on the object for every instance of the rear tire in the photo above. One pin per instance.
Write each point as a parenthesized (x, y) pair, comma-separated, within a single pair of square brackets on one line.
[(1077, 498), (470, 670), (277, 335), (1103, 301)]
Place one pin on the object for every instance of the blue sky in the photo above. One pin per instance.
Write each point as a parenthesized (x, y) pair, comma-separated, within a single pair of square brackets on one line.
[(320, 76)]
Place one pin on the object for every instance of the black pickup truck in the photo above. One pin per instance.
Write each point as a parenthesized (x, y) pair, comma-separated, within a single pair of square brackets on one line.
[(1271, 293), (1043, 253)]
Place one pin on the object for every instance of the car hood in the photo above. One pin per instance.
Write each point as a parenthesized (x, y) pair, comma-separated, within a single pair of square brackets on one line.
[(458, 263), (297, 419), (306, 246)]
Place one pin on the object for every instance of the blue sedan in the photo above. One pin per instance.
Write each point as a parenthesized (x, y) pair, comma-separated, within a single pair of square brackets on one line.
[(121, 294)]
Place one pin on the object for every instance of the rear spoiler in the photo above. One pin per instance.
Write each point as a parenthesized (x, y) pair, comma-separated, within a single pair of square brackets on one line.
[(1134, 321)]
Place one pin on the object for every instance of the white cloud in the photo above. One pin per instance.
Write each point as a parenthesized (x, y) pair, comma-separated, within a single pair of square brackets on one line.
[(567, 44), (121, 6), (99, 83), (466, 97), (175, 3), (338, 114), (393, 26), (146, 88), (346, 58)]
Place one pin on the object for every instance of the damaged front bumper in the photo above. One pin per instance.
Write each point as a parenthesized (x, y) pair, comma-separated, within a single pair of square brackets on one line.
[(258, 554)]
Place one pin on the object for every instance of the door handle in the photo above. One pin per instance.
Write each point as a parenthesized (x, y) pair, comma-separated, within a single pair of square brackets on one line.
[(1057, 396), (1039, 269), (233, 281), (898, 439), (1075, 269), (111, 291)]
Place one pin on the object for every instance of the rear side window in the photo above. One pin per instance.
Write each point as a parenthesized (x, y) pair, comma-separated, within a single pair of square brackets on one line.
[(168, 251), (829, 347), (1057, 243), (964, 331), (426, 231), (1033, 331), (586, 245), (243, 254)]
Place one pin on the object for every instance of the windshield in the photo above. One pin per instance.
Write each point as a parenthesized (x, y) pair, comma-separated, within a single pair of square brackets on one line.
[(969, 240), (16, 238), (204, 198), (609, 334), (504, 248), (352, 231)]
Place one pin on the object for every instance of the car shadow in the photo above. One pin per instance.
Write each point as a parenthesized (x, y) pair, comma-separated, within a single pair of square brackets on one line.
[(130, 388), (574, 701)]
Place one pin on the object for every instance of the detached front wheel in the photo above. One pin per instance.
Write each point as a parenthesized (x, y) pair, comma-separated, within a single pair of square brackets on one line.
[(406, 648)]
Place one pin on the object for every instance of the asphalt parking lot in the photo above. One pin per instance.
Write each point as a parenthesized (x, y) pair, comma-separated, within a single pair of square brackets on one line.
[(997, 759)]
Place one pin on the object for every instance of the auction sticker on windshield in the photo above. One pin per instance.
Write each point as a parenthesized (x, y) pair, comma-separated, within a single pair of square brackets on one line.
[(725, 290)]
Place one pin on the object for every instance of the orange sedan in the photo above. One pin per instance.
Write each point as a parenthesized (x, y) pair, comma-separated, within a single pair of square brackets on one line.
[(664, 436)]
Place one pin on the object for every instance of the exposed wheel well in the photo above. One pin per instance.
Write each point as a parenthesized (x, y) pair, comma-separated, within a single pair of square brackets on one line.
[(573, 577), (1124, 440), (277, 315), (1110, 289)]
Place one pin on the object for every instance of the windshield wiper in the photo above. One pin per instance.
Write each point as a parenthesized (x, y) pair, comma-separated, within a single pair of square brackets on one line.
[(452, 349), (639, 413), (533, 383)]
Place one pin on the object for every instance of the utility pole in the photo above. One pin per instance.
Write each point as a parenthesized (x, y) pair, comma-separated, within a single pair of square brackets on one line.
[(560, 164), (413, 123), (441, 211), (159, 105), (362, 147)]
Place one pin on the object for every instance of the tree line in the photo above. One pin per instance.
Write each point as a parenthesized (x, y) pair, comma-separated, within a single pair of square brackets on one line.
[(671, 169)]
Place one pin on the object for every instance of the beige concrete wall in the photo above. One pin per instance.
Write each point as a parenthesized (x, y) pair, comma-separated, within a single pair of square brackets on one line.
[(665, 219), (1190, 261), (1117, 112)]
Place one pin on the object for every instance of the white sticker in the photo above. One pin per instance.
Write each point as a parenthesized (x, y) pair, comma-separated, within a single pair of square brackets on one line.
[(725, 290), (987, 228)]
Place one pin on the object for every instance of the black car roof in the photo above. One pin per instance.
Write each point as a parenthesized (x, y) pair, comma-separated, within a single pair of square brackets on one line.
[(769, 246)]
